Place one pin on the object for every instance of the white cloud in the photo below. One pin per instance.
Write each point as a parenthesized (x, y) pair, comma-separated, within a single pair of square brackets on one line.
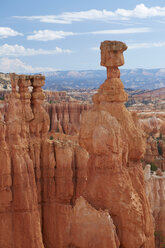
[(123, 31), (16, 50), (146, 45), (140, 11), (18, 66), (95, 48), (6, 32), (45, 35)]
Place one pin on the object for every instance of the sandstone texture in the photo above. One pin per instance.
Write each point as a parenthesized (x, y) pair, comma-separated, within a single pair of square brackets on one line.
[(115, 144), (20, 220), (40, 178), (155, 189), (91, 228), (65, 117), (56, 193), (152, 124)]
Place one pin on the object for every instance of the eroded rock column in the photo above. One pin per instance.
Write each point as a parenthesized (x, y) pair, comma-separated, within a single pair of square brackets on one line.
[(155, 190), (39, 127), (6, 198), (23, 208), (115, 144)]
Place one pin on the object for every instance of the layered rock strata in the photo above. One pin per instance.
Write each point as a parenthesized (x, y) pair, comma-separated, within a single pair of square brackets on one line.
[(115, 144)]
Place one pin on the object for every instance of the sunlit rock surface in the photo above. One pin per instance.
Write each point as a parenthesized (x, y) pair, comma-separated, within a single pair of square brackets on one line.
[(55, 193), (115, 144)]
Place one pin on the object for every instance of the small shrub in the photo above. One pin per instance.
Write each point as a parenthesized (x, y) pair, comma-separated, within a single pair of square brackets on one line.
[(159, 239), (160, 151), (160, 137), (153, 167), (51, 137)]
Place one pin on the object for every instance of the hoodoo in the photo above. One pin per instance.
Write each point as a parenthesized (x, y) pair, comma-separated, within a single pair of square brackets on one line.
[(115, 144)]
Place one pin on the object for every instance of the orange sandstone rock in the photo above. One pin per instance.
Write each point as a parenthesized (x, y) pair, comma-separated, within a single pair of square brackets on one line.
[(63, 179), (43, 181), (115, 145), (155, 189), (65, 116), (6, 234), (22, 215), (91, 228)]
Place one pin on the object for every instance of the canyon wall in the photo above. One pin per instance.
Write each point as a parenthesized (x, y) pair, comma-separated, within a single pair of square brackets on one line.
[(41, 179), (65, 117), (64, 112), (20, 219)]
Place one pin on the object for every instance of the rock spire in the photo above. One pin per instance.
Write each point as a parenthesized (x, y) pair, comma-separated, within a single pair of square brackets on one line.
[(115, 144)]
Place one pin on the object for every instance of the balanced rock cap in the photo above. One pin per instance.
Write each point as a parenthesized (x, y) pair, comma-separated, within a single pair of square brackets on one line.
[(114, 45), (112, 53)]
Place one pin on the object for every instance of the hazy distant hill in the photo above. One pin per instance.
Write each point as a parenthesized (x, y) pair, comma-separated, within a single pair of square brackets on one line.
[(132, 78), (62, 80)]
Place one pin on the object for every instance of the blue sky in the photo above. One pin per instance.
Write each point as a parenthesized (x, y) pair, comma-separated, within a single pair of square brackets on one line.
[(51, 35)]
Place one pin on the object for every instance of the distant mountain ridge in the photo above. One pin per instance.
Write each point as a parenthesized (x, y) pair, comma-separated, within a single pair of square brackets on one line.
[(131, 78), (138, 79)]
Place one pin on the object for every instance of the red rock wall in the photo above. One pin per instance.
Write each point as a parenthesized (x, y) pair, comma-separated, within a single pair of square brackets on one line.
[(65, 117), (40, 179), (19, 204)]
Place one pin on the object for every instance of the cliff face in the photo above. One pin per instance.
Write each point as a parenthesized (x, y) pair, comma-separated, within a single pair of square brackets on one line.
[(91, 228), (64, 112), (62, 180), (65, 117), (115, 144), (40, 179), (20, 222), (6, 234)]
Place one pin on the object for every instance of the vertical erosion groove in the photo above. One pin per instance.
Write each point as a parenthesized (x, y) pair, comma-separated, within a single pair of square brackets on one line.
[(74, 178)]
